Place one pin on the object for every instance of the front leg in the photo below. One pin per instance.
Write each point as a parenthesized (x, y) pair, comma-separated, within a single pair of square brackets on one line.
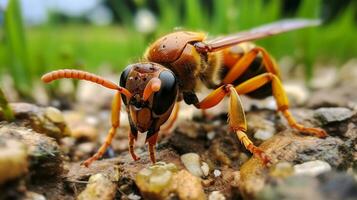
[(115, 119), (151, 145), (132, 137)]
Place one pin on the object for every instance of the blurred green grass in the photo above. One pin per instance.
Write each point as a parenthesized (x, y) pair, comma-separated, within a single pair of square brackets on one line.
[(28, 53), (83, 46)]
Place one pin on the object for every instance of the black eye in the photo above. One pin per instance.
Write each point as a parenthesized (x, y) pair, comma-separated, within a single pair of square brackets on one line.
[(166, 96), (123, 78)]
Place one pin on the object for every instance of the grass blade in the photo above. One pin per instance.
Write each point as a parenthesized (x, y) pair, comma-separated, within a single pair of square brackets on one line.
[(6, 110), (18, 60)]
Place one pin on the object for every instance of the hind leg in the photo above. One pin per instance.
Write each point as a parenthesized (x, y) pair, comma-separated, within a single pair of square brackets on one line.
[(280, 98), (272, 76)]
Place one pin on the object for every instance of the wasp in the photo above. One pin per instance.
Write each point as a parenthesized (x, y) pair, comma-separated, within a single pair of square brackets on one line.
[(176, 65)]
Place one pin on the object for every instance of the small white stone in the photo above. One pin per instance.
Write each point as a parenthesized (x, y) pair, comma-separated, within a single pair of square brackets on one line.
[(297, 93), (133, 196), (312, 168), (217, 173), (192, 163), (92, 120), (205, 168), (217, 123), (34, 196), (268, 103), (210, 135), (263, 134), (186, 113), (216, 195)]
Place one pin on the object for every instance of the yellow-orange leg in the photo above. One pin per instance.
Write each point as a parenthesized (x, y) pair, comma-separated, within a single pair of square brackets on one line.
[(172, 119), (115, 120), (131, 147), (236, 116), (246, 60), (151, 144), (280, 97)]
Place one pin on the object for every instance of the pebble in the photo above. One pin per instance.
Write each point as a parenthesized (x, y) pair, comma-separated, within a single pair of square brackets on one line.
[(161, 180), (216, 195), (336, 114), (13, 159), (99, 187), (312, 168), (192, 163), (54, 115), (187, 186), (33, 196), (205, 168), (297, 93), (43, 152), (46, 120), (210, 135), (217, 173), (133, 196), (263, 134), (153, 181)]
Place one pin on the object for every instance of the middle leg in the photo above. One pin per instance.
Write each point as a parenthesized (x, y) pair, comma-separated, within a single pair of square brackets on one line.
[(236, 116)]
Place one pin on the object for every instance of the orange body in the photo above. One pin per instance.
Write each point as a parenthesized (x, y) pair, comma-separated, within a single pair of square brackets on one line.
[(176, 51), (175, 66)]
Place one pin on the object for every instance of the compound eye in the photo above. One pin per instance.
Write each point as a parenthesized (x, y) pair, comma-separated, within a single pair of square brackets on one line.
[(123, 78), (166, 96)]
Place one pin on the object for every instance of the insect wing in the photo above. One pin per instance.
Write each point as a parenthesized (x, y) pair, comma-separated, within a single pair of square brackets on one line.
[(260, 32)]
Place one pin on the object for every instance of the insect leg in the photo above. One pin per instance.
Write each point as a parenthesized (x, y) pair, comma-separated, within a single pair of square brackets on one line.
[(236, 117), (131, 146), (115, 120), (171, 121), (246, 60), (151, 144), (239, 125), (280, 98)]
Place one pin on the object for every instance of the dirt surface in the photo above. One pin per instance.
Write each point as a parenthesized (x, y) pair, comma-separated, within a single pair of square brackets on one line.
[(216, 165)]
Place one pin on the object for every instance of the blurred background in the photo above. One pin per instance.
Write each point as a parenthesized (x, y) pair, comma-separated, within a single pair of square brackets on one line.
[(103, 36)]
